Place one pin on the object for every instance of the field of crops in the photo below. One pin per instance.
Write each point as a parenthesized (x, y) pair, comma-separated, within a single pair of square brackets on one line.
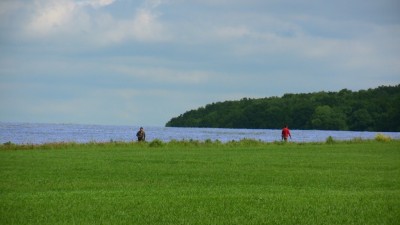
[(246, 182)]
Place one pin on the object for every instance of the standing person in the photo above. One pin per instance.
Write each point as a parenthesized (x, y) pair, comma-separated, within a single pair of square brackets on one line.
[(286, 133), (141, 135)]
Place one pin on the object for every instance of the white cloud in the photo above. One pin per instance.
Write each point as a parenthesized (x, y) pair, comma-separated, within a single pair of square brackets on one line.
[(146, 27), (51, 15), (67, 20)]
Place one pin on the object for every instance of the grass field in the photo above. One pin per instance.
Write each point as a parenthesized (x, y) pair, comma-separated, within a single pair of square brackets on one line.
[(245, 182)]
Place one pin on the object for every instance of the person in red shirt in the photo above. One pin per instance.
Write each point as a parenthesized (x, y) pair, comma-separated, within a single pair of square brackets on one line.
[(286, 133)]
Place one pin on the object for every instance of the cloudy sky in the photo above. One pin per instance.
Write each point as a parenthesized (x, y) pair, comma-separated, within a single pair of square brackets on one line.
[(142, 62)]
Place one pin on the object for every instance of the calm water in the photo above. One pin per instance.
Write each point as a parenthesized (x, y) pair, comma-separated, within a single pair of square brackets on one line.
[(35, 133)]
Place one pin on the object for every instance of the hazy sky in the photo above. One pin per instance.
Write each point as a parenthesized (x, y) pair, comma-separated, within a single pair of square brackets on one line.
[(143, 62)]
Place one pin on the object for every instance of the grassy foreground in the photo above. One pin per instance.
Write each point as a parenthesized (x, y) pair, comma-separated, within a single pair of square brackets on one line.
[(245, 182)]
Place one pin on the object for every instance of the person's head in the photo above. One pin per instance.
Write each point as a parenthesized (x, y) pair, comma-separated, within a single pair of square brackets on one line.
[(141, 128)]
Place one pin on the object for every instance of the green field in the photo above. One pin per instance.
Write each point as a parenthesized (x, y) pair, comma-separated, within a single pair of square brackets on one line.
[(245, 182)]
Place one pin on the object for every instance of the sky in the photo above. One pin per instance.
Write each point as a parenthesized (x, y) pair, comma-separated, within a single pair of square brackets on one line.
[(143, 62)]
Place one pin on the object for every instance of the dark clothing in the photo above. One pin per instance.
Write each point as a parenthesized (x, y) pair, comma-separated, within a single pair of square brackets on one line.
[(141, 135)]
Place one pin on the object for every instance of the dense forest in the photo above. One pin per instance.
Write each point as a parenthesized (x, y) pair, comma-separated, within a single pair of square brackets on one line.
[(365, 110)]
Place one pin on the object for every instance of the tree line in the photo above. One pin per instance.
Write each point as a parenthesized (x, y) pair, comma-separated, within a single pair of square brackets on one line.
[(375, 109)]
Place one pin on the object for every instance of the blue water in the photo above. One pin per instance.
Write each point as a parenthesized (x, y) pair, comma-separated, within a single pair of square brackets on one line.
[(38, 133)]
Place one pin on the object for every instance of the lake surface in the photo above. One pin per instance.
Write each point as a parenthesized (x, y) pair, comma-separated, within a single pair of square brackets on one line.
[(39, 133)]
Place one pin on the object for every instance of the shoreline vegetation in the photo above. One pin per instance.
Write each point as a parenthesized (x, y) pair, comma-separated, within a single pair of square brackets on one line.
[(375, 109), (189, 143)]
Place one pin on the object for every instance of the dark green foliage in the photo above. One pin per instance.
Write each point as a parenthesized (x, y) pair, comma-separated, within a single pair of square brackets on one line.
[(365, 110), (156, 143), (330, 140)]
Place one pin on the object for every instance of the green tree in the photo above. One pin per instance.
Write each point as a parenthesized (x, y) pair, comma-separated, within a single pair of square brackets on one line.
[(373, 109), (325, 118), (361, 120)]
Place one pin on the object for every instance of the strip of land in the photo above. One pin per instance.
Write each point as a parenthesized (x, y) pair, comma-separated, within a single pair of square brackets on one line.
[(244, 182)]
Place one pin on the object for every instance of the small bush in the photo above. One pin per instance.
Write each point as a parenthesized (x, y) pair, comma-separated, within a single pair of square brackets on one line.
[(194, 142), (156, 143), (8, 143), (218, 142), (208, 141), (382, 138), (330, 140)]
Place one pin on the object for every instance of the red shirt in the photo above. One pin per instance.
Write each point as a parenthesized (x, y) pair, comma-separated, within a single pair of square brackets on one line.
[(285, 132)]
